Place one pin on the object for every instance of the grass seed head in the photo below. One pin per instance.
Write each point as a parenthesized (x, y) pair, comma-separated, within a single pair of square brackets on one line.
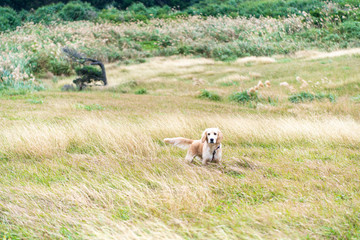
[(284, 84)]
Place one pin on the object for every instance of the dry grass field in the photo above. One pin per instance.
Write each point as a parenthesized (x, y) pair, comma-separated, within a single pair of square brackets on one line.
[(92, 164)]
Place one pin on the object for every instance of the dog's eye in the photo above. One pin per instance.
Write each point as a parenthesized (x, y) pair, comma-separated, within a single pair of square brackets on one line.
[(209, 134), (214, 133)]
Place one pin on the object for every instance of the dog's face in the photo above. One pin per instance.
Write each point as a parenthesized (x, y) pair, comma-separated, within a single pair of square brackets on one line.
[(212, 136)]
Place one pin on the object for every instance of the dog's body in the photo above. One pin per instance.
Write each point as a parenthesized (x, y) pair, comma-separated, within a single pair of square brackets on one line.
[(208, 148)]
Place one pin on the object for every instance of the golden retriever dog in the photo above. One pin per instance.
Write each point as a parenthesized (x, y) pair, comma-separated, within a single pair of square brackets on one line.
[(208, 148)]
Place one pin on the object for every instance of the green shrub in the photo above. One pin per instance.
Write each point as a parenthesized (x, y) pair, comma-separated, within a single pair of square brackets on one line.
[(140, 17), (46, 14), (39, 62), (87, 75), (10, 87), (213, 96), (244, 97), (141, 91), (309, 97), (252, 98), (333, 38), (320, 96), (225, 53), (302, 97), (274, 8), (149, 45), (75, 11), (138, 8), (59, 67), (351, 29), (162, 12), (24, 15), (138, 12), (9, 19), (111, 15), (90, 71)]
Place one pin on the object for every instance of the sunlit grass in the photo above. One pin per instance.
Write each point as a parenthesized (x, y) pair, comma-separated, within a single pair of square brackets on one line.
[(92, 164)]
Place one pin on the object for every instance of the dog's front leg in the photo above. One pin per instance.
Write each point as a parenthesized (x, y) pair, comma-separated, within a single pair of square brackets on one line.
[(205, 161), (206, 156), (189, 156)]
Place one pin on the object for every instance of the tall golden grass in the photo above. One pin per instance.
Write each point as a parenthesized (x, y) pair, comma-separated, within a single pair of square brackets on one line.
[(289, 171), (103, 135), (95, 177)]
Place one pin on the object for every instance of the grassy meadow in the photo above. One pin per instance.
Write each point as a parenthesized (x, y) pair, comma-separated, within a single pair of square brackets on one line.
[(92, 164)]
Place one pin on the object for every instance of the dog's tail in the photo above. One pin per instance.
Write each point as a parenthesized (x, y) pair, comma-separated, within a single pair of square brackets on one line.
[(180, 142)]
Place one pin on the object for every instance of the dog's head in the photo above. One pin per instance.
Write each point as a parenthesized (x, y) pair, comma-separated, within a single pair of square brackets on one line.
[(212, 136)]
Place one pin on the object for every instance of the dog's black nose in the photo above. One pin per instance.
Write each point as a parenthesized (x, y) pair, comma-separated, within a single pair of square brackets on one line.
[(211, 140)]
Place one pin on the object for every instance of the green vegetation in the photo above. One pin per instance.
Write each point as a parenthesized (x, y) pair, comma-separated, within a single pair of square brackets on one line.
[(93, 164), (244, 97), (92, 72), (37, 50), (308, 97), (321, 12), (272, 8), (35, 101), (100, 4), (252, 99), (90, 107), (8, 19), (141, 91), (9, 86), (213, 96), (76, 11), (45, 14), (152, 31)]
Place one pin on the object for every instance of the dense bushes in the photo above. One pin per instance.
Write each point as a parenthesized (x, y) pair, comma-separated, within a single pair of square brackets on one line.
[(137, 12), (322, 13), (75, 11), (45, 14), (100, 4), (205, 94), (273, 8), (309, 97), (350, 29), (8, 19), (36, 48), (10, 86), (244, 97)]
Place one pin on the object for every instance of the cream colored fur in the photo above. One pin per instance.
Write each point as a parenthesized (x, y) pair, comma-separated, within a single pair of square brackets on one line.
[(204, 148)]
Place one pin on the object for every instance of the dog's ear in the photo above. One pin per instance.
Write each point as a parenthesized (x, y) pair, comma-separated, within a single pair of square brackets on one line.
[(219, 138), (204, 136)]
